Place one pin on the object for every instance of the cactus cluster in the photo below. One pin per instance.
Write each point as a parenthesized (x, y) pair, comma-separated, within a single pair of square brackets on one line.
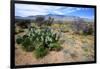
[(40, 40)]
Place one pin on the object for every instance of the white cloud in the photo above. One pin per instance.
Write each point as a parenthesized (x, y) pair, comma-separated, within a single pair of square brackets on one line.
[(58, 12), (25, 10)]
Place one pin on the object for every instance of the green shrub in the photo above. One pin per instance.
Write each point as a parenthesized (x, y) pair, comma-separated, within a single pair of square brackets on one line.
[(41, 40), (88, 31), (55, 46), (40, 52), (19, 40), (27, 44)]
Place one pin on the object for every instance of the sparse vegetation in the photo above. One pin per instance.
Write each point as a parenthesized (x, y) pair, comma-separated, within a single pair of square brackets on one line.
[(83, 28), (23, 23), (43, 36)]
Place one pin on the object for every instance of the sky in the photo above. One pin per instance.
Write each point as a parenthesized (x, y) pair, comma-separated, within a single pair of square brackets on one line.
[(25, 10)]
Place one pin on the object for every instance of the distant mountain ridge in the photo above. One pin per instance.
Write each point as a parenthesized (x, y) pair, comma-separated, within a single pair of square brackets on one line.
[(56, 18)]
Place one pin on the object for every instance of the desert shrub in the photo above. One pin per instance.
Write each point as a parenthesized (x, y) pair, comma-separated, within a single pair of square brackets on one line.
[(83, 28), (55, 46), (19, 40), (88, 30), (40, 40), (40, 52), (23, 23), (27, 44)]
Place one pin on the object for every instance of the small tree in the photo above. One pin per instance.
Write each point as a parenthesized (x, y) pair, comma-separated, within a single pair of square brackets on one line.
[(40, 20), (50, 21)]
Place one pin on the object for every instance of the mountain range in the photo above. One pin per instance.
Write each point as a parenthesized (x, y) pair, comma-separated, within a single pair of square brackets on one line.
[(56, 18)]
